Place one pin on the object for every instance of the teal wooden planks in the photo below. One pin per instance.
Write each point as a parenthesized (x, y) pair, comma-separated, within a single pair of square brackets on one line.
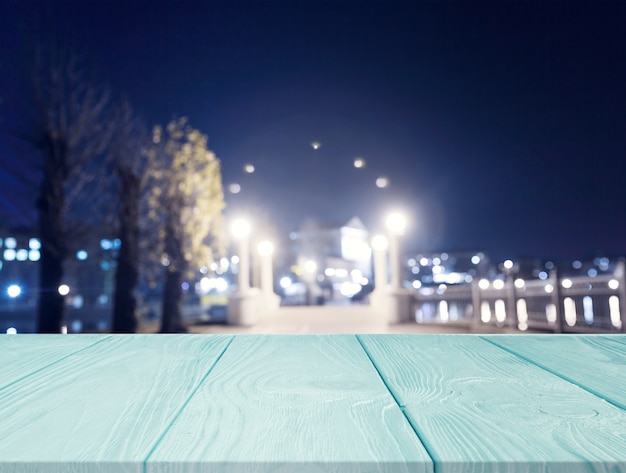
[(291, 403), (479, 408), (102, 409), (22, 355), (596, 363)]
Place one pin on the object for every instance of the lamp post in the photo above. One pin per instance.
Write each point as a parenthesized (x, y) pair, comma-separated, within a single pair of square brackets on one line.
[(379, 245), (394, 302), (271, 301), (396, 225), (241, 232), (242, 305)]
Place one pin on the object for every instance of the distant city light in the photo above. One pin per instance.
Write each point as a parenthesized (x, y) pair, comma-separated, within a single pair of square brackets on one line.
[(9, 255), (14, 291), (248, 168), (64, 289), (508, 264), (234, 188), (316, 145), (285, 282), (81, 255), (592, 272), (106, 244), (34, 255), (234, 259), (613, 284), (520, 283), (498, 284), (382, 182), (11, 331), (310, 266), (543, 275), (34, 244), (10, 242), (483, 284), (185, 286), (577, 264), (566, 283), (549, 288), (21, 255), (359, 163), (411, 262), (416, 284)]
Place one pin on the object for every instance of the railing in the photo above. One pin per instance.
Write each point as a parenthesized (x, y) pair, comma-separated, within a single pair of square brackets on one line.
[(568, 304)]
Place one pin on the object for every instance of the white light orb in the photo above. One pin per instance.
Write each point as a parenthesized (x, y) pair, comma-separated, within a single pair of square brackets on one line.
[(508, 264), (234, 188), (380, 243), (240, 228), (265, 248), (316, 145), (310, 266), (248, 168), (382, 182), (64, 289), (11, 331), (396, 223), (359, 163), (14, 291), (285, 282)]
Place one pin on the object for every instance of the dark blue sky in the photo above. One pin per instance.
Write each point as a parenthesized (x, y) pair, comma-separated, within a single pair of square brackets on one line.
[(501, 125)]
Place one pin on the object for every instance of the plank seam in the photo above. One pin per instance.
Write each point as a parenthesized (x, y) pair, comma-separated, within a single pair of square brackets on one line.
[(182, 407), (419, 436), (53, 362), (592, 391)]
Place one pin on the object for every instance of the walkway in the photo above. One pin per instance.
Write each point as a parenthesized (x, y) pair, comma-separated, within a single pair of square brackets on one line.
[(334, 319)]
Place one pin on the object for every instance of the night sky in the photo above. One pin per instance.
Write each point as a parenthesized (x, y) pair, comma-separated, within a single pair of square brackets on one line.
[(500, 125)]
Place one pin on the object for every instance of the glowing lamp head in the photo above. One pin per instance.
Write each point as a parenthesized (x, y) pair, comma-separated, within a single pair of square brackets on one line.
[(396, 223), (265, 248), (240, 229), (380, 243)]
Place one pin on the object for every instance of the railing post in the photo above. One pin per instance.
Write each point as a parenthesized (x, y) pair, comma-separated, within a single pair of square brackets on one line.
[(620, 274), (556, 299), (511, 313), (476, 304)]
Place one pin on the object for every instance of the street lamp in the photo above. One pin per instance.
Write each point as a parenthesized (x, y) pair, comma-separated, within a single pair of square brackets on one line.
[(379, 245), (241, 231), (396, 225), (265, 250)]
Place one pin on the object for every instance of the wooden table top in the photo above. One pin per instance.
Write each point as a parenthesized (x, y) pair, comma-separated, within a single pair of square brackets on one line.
[(312, 403)]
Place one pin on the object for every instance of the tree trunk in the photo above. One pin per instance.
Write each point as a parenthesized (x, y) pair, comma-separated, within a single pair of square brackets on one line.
[(127, 272), (171, 320), (51, 204)]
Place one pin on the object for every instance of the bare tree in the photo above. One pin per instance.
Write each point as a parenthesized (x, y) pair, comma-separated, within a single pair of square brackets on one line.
[(72, 133), (188, 205), (127, 152)]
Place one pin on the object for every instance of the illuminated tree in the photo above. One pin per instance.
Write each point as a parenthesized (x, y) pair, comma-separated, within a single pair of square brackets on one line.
[(187, 203), (71, 135)]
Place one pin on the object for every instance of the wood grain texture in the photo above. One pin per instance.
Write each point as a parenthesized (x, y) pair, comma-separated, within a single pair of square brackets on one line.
[(596, 363), (24, 354), (102, 409), (291, 403), (478, 408)]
